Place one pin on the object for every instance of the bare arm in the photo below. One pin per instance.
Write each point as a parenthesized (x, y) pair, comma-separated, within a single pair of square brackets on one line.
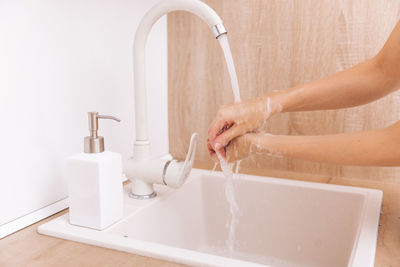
[(358, 85), (370, 148)]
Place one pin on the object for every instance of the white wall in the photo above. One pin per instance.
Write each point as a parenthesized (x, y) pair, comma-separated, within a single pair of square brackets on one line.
[(59, 60)]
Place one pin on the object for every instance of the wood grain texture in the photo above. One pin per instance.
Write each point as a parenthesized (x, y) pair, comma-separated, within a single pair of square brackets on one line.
[(278, 44), (28, 248)]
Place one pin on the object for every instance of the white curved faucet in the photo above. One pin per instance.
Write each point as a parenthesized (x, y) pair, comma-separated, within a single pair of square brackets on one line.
[(141, 169)]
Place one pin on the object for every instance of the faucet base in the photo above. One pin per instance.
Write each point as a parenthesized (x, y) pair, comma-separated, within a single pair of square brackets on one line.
[(141, 190), (134, 196)]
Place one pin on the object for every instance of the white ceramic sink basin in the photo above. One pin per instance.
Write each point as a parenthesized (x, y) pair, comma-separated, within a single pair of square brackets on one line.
[(281, 223)]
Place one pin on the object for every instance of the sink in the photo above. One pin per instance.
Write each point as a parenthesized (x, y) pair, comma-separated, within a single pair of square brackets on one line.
[(280, 223)]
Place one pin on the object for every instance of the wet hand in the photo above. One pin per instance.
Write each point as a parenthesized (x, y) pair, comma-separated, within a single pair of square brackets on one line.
[(240, 148), (237, 119)]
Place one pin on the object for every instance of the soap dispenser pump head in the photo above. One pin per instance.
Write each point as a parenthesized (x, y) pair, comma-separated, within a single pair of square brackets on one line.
[(95, 143)]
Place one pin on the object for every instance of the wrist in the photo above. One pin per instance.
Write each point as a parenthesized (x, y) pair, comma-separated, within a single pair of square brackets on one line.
[(272, 104), (267, 144), (258, 141)]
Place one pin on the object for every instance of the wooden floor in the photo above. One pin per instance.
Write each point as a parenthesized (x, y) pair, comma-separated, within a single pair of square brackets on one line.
[(28, 248)]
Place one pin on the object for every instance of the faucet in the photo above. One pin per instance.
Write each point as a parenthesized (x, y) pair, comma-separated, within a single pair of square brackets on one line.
[(141, 169)]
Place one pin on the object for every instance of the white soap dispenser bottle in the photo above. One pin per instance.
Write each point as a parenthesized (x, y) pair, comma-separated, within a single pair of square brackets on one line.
[(95, 182)]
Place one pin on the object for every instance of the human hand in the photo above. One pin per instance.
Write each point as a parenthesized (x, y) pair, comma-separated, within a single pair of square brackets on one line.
[(239, 148), (245, 145), (237, 119)]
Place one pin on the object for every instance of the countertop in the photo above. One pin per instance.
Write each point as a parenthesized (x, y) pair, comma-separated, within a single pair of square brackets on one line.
[(28, 248)]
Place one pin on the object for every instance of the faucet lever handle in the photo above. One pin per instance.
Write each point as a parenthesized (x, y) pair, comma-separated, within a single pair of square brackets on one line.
[(175, 173), (188, 164)]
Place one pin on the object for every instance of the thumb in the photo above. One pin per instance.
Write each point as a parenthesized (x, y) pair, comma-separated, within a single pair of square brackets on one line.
[(224, 138)]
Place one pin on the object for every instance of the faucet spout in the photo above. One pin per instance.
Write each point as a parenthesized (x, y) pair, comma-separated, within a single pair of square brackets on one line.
[(141, 169), (142, 145)]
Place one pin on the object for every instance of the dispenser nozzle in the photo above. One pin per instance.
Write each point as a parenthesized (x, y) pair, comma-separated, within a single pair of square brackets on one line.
[(95, 143)]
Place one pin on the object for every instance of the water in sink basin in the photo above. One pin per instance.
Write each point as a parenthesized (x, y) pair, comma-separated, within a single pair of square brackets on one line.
[(311, 227)]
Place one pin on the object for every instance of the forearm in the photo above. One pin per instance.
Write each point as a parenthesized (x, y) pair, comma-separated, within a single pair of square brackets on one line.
[(359, 85), (377, 148)]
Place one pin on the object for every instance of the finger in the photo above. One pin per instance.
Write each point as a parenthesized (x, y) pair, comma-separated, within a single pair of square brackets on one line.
[(210, 148), (222, 152), (211, 153), (216, 153), (232, 153), (224, 138), (217, 127)]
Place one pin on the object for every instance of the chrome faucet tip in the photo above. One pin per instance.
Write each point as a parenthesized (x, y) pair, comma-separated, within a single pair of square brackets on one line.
[(218, 30)]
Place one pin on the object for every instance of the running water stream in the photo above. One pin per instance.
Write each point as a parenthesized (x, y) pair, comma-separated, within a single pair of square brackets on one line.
[(223, 41), (226, 167), (230, 197)]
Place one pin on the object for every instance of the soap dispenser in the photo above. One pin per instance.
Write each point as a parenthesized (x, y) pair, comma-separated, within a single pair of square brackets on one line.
[(95, 181)]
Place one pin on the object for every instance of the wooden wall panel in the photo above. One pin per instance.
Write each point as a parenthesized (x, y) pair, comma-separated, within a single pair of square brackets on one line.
[(278, 44)]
